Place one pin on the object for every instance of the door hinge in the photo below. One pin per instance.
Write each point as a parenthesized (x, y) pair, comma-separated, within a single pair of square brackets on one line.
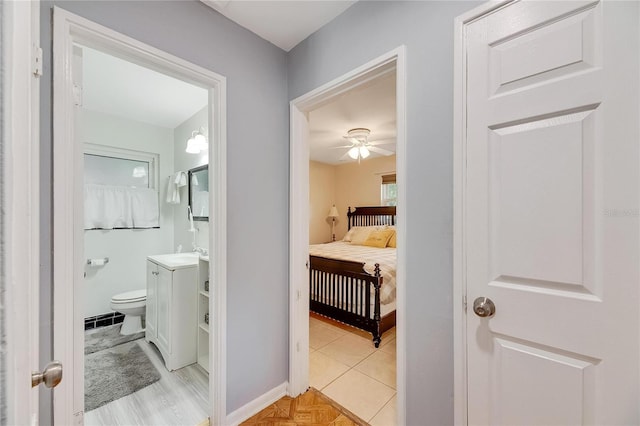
[(297, 346), (298, 294), (77, 95), (464, 303), (37, 61), (307, 264)]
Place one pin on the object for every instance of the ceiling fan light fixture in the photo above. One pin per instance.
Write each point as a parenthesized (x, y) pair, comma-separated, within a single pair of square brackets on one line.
[(364, 152), (354, 153)]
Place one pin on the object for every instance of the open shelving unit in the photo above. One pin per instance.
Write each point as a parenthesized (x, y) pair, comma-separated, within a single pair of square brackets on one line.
[(203, 309)]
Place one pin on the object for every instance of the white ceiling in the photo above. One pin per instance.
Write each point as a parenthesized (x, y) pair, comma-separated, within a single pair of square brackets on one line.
[(283, 23), (118, 87), (372, 106)]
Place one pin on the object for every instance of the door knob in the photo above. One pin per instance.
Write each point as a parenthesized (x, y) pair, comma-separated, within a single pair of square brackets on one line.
[(484, 307), (50, 376)]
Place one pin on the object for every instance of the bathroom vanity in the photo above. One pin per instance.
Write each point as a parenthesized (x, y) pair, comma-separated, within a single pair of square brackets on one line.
[(171, 317)]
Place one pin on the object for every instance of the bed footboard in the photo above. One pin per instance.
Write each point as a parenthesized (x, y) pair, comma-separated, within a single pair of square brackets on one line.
[(344, 291)]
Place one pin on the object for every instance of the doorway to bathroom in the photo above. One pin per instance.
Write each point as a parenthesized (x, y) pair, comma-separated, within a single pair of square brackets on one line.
[(139, 202)]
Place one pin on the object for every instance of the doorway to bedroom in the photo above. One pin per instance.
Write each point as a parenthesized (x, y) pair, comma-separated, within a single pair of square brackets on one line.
[(352, 140)]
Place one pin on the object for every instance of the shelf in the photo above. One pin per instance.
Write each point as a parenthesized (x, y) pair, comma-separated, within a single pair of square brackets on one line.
[(204, 326), (203, 361), (204, 293)]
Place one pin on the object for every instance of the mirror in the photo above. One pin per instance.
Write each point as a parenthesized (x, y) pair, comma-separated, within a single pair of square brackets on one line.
[(199, 192)]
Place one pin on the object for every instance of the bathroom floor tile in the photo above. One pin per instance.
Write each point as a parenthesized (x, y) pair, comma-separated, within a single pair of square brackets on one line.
[(323, 370), (359, 393)]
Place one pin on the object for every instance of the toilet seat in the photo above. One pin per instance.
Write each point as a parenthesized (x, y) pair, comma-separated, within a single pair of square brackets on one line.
[(130, 297)]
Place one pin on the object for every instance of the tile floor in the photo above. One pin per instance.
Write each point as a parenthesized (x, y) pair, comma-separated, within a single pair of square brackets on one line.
[(345, 365)]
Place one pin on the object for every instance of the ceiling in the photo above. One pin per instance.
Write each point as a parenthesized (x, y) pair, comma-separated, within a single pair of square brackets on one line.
[(114, 86), (372, 105), (283, 23)]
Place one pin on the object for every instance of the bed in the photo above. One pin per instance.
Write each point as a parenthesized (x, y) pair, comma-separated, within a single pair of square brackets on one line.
[(355, 284)]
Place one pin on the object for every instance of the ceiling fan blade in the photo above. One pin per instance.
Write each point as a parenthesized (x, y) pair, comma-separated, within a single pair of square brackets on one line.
[(345, 156), (380, 150), (388, 141), (352, 140), (341, 146)]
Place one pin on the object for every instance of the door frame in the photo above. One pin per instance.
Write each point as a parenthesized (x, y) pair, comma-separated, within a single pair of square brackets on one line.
[(69, 28), (459, 204), (20, 144), (299, 215)]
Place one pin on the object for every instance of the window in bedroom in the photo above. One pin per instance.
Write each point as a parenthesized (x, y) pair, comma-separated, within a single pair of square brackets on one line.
[(389, 190)]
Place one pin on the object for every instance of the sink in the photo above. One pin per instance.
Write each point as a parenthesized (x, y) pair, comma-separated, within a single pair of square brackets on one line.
[(175, 260)]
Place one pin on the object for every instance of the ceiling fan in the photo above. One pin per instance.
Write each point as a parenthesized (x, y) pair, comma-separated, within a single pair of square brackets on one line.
[(361, 147)]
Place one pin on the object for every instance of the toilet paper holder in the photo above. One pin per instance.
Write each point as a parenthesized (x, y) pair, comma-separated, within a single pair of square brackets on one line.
[(98, 262)]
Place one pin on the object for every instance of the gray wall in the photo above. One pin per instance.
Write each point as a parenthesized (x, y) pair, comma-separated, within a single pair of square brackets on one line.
[(258, 163), (3, 280), (363, 32)]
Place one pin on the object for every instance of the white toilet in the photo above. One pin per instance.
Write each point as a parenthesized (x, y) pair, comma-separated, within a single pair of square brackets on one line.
[(132, 304)]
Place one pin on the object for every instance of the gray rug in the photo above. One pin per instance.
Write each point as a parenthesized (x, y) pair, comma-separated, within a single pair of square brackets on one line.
[(112, 373), (106, 337)]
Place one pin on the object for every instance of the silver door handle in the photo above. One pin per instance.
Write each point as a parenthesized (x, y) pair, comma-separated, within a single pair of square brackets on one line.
[(51, 376), (484, 307)]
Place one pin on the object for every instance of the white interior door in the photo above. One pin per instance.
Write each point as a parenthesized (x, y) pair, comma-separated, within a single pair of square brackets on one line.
[(551, 217), (19, 215)]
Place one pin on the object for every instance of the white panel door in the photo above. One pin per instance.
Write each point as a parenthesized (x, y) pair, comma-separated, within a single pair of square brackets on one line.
[(551, 218), (164, 296)]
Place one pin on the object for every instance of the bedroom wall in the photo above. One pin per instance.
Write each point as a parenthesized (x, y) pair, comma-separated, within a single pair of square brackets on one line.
[(127, 249), (359, 185), (426, 29), (257, 176), (322, 195), (184, 161)]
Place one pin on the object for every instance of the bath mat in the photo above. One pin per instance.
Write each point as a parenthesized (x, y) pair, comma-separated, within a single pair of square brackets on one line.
[(112, 373), (106, 337)]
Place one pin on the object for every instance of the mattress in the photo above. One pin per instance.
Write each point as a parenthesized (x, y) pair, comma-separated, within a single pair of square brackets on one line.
[(386, 257)]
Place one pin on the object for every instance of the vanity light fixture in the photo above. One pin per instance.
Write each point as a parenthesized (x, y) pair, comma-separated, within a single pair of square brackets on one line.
[(197, 142)]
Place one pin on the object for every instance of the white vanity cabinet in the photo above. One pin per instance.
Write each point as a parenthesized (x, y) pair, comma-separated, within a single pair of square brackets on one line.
[(171, 313)]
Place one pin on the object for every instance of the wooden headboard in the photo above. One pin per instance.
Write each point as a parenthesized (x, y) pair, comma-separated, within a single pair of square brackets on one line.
[(371, 216)]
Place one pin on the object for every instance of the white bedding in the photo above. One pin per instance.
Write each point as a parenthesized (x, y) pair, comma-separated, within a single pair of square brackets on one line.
[(386, 257)]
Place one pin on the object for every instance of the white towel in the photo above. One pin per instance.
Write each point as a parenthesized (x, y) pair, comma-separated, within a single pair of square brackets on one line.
[(176, 181)]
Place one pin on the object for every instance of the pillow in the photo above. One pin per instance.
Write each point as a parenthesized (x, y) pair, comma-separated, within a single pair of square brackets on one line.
[(360, 233), (392, 240), (379, 238)]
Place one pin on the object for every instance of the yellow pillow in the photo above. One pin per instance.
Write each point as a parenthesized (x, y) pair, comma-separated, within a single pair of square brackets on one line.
[(392, 240), (379, 238)]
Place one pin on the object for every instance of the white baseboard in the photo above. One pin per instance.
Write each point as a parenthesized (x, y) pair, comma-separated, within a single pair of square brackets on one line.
[(253, 407)]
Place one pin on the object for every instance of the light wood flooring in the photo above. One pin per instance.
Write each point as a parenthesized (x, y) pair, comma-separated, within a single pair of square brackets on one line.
[(346, 366), (178, 398), (310, 408)]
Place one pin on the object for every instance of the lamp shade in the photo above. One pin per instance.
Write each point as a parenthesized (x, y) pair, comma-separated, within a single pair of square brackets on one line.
[(333, 212), (354, 153), (192, 147)]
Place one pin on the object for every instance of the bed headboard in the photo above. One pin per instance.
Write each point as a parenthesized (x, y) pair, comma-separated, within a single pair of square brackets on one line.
[(371, 216)]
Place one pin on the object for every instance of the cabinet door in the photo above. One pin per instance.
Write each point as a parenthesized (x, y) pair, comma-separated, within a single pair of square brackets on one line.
[(164, 308), (152, 299)]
